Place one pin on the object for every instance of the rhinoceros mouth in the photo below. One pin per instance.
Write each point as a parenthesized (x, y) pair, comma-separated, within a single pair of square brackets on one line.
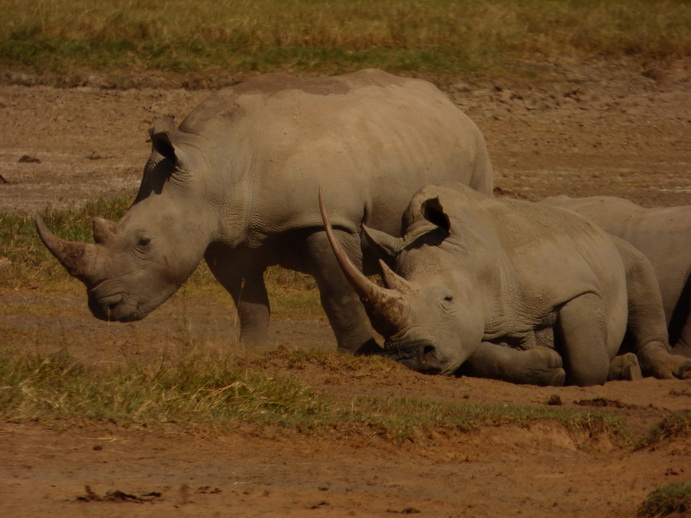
[(114, 308), (419, 355)]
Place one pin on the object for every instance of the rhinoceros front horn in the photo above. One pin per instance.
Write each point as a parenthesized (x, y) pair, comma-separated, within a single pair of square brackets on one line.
[(77, 258), (386, 308)]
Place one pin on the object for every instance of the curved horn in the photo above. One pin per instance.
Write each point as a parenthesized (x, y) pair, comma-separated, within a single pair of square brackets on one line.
[(77, 258), (386, 308)]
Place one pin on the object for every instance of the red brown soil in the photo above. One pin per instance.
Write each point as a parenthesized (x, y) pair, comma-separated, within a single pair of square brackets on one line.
[(598, 128)]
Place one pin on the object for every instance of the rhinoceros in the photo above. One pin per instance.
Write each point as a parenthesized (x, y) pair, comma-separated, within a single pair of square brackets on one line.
[(512, 290), (664, 236), (235, 183)]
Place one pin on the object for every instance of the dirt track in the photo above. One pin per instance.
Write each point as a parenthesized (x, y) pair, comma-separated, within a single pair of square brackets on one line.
[(602, 128)]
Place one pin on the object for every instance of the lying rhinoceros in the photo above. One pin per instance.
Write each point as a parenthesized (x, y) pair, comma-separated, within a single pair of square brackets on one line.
[(664, 236), (511, 288), (235, 184)]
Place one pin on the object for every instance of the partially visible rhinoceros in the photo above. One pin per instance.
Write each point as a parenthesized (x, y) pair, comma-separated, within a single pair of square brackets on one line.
[(235, 184), (664, 236), (511, 288)]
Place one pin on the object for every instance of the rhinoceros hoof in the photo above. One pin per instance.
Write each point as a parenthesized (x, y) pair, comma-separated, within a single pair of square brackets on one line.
[(625, 367), (555, 377), (684, 371)]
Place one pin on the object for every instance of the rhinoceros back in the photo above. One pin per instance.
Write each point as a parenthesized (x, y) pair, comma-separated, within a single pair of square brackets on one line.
[(368, 139)]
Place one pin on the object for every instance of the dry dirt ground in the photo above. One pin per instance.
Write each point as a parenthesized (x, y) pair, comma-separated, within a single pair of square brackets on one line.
[(584, 128)]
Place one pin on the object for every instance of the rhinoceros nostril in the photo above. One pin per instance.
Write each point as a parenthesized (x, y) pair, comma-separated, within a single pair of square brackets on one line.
[(105, 308), (109, 307), (428, 360)]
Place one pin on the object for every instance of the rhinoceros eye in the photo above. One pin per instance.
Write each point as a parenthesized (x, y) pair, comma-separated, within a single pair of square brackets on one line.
[(143, 242), (448, 298)]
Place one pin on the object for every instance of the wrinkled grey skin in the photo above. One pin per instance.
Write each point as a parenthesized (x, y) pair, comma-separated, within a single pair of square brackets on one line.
[(235, 184), (664, 236), (506, 289)]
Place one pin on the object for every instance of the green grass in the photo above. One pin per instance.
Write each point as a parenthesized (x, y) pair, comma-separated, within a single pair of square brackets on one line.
[(672, 498), (437, 36), (194, 388)]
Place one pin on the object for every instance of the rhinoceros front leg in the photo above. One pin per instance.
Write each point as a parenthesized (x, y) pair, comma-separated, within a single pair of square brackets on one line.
[(340, 302), (582, 331), (534, 366), (246, 286)]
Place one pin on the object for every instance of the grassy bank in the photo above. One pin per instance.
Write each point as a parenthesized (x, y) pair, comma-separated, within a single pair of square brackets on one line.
[(194, 388), (437, 36)]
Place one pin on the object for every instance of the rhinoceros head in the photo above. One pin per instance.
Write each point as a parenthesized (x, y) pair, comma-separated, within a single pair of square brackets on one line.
[(135, 264), (424, 312)]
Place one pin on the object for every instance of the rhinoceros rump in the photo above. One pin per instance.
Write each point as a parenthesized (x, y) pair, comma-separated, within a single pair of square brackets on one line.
[(663, 235), (235, 184), (509, 289)]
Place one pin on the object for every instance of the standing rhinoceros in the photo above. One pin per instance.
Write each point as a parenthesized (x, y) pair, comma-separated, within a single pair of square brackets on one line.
[(664, 236), (511, 288), (236, 184)]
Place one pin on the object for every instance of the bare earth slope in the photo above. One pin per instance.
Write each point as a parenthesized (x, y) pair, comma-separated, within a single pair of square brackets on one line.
[(600, 128)]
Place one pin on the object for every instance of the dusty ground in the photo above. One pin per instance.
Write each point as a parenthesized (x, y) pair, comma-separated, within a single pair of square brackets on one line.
[(598, 128)]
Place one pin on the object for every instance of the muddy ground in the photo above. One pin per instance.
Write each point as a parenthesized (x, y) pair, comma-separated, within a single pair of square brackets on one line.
[(582, 128)]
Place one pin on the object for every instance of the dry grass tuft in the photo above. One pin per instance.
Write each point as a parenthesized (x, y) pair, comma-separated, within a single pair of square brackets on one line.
[(667, 500), (673, 426)]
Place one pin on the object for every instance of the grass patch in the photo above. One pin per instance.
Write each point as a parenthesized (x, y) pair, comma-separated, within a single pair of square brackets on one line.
[(190, 388), (405, 418), (437, 36), (400, 419), (194, 388), (672, 498)]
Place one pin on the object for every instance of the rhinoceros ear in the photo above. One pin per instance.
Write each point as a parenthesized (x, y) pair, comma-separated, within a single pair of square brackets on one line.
[(433, 212), (389, 246), (161, 142)]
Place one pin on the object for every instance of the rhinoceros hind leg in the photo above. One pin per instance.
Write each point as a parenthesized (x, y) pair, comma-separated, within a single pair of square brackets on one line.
[(625, 367), (680, 327), (647, 328), (682, 347), (582, 331), (657, 361), (536, 366), (341, 304)]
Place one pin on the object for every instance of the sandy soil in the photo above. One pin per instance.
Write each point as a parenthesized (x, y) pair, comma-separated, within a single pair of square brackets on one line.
[(587, 128)]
